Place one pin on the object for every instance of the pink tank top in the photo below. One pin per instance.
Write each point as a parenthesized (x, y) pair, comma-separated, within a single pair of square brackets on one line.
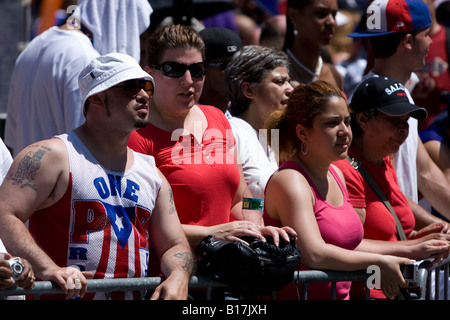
[(338, 225)]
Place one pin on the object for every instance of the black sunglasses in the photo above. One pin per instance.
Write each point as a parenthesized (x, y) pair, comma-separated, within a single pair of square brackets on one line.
[(222, 65), (177, 70), (133, 86)]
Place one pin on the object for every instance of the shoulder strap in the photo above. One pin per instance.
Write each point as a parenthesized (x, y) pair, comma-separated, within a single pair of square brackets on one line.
[(357, 165)]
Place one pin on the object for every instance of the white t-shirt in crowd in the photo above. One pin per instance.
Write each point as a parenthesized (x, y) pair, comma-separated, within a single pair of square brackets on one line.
[(257, 158), (44, 98)]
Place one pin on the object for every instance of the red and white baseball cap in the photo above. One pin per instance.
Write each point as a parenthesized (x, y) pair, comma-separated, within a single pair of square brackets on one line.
[(391, 16)]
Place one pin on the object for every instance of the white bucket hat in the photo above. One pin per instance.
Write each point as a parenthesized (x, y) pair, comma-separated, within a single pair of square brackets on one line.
[(107, 71)]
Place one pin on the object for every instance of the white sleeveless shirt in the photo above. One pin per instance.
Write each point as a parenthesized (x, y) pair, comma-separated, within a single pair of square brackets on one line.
[(101, 224)]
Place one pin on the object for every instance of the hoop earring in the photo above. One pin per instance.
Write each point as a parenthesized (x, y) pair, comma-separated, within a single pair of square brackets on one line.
[(304, 150)]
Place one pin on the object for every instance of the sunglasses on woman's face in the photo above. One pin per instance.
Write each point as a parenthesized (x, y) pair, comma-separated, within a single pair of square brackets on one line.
[(177, 70), (134, 86), (222, 65)]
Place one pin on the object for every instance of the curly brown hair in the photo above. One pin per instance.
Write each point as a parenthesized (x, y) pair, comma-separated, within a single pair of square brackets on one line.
[(306, 102)]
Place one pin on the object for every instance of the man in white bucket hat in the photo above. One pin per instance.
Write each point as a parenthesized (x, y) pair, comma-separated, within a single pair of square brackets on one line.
[(93, 204)]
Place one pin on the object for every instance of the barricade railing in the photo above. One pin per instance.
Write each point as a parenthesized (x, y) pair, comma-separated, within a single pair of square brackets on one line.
[(438, 280), (142, 285), (310, 276), (108, 286)]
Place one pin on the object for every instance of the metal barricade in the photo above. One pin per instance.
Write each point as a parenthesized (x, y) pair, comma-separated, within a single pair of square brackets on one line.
[(310, 276), (432, 279), (438, 279), (113, 285), (423, 285), (142, 285)]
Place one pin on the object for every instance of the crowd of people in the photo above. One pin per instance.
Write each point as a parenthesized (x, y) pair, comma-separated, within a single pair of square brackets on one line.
[(150, 139)]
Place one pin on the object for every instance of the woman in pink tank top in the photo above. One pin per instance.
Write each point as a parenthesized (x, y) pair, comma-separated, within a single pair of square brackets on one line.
[(308, 194)]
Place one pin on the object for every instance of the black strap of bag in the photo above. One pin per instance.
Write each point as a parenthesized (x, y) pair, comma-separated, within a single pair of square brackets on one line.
[(357, 165)]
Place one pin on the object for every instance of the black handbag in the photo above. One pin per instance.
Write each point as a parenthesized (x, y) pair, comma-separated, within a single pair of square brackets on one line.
[(255, 269)]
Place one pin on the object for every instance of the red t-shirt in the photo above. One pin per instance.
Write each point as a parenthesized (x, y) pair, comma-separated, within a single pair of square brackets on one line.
[(379, 223), (203, 175)]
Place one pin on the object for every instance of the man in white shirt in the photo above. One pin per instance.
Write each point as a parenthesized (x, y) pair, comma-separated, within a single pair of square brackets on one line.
[(44, 98)]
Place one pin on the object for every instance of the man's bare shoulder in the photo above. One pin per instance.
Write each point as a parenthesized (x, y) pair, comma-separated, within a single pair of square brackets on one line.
[(44, 150), (41, 162)]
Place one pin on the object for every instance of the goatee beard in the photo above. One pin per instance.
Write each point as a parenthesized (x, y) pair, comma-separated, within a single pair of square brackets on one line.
[(141, 123)]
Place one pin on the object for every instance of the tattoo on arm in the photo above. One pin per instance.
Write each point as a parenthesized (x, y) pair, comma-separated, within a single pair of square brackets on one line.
[(188, 259), (27, 169), (172, 208)]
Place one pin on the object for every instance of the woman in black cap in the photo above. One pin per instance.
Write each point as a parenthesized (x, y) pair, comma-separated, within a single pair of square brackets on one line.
[(380, 113)]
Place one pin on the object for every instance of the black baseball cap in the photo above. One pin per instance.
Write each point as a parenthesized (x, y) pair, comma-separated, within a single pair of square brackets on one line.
[(387, 95), (220, 42)]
